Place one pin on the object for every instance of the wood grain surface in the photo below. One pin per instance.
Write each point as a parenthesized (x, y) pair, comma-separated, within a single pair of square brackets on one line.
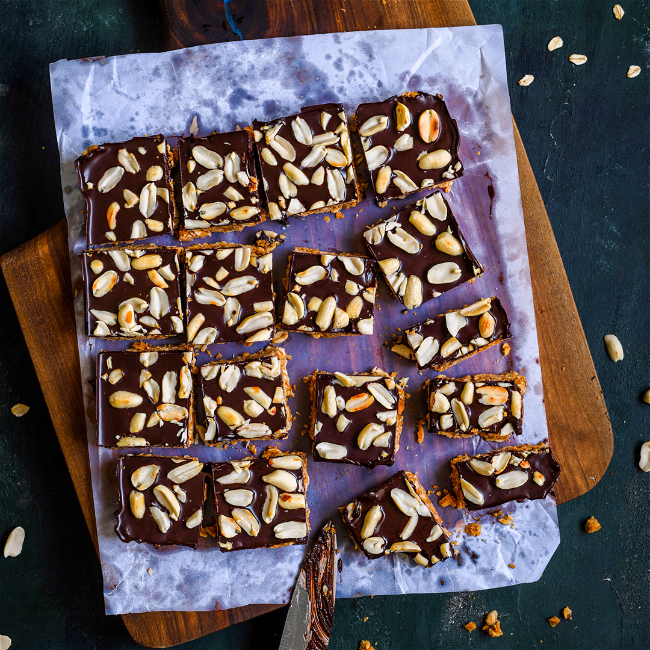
[(579, 426)]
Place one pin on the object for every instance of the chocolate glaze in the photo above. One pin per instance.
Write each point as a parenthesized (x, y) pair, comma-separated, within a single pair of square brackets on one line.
[(474, 409), (318, 569), (113, 423), (145, 530), (437, 328), (307, 194), (420, 263), (259, 467), (358, 420), (91, 166), (214, 315), (301, 261), (123, 290), (406, 161), (241, 142), (277, 421), (540, 459), (393, 520)]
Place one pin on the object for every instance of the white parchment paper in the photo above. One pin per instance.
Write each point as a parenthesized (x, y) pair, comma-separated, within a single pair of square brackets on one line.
[(220, 86)]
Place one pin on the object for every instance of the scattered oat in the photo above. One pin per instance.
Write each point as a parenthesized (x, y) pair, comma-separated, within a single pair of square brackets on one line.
[(149, 571), (526, 80), (644, 457), (566, 612), (633, 71), (618, 12), (592, 525), (470, 627), (492, 624), (506, 520), (365, 645), (339, 215), (5, 642), (578, 59), (14, 543), (555, 43), (365, 618), (553, 621), (505, 349), (19, 410), (473, 529)]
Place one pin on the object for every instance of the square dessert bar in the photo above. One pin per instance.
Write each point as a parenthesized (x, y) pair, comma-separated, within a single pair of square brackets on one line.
[(459, 334), (261, 502), (398, 517), (128, 191), (490, 406), (329, 294), (506, 474), (410, 142), (355, 418), (145, 399), (246, 398), (133, 293), (219, 183), (422, 252), (229, 294), (306, 162), (161, 499)]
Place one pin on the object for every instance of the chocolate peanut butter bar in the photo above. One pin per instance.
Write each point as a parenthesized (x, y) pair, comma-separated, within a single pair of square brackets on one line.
[(306, 162), (246, 398), (219, 183), (261, 502), (410, 143), (145, 399), (506, 474), (490, 406), (398, 517), (128, 191), (229, 294), (329, 294), (459, 334), (355, 418), (422, 252), (161, 499), (133, 293)]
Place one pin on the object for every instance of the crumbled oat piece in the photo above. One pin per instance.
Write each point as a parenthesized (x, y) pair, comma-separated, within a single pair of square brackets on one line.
[(447, 500), (526, 80), (566, 612), (633, 71), (553, 621), (512, 566), (555, 43), (19, 410), (365, 618), (592, 525), (365, 645), (618, 12), (470, 627), (473, 529), (506, 521), (149, 571), (419, 431), (492, 624), (505, 349)]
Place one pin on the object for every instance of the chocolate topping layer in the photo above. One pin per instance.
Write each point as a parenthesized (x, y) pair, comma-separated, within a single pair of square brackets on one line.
[(112, 277), (223, 211), (433, 249), (393, 520), (98, 169), (146, 530), (525, 460), (250, 478), (442, 133)]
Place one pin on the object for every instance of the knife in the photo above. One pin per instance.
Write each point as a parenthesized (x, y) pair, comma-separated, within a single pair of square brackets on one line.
[(311, 612)]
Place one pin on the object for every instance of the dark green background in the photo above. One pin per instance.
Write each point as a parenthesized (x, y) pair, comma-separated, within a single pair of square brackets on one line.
[(586, 130)]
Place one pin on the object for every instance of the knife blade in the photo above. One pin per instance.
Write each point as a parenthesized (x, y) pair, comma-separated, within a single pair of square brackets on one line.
[(311, 612)]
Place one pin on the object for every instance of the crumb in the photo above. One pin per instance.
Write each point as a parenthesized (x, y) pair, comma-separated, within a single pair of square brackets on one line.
[(470, 627), (365, 618), (505, 349), (419, 431), (592, 525), (492, 624), (339, 215), (566, 612), (473, 529), (211, 530), (365, 645), (506, 521), (438, 493), (447, 500), (149, 571), (553, 621), (512, 566), (327, 218), (252, 449)]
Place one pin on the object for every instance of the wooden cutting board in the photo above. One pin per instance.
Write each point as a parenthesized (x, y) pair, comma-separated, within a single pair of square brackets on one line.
[(579, 427)]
